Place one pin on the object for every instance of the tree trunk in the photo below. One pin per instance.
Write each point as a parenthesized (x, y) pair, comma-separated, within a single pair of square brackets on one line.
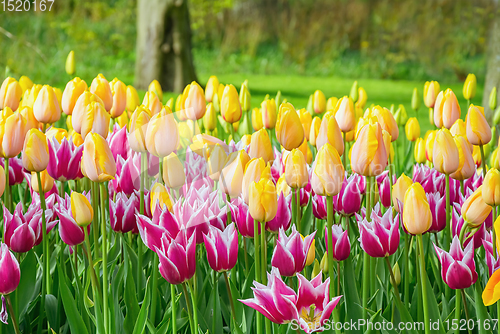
[(163, 47), (493, 62)]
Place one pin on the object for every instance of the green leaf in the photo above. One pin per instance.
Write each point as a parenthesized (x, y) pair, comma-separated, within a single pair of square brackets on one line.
[(352, 303), (51, 310), (74, 317), (433, 305), (481, 312), (140, 324), (29, 285), (130, 298)]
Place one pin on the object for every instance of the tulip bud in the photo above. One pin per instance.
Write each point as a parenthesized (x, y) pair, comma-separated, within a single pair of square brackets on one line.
[(72, 92), (344, 114), (11, 272), (477, 128), (268, 112), (282, 187), (245, 96), (257, 119), (173, 172), (491, 188), (211, 88), (10, 94), (216, 160), (470, 87), (431, 90), (162, 134), (354, 94), (311, 254), (278, 99), (397, 274), (493, 99), (319, 102), (331, 103), (81, 209), (430, 138), (263, 201), (35, 151), (46, 108), (458, 128), (47, 182), (195, 103), (362, 98), (289, 131), (446, 109), (419, 152), (232, 174), (386, 121), (80, 108), (100, 87), (329, 132), (29, 96), (415, 100), (445, 155), (119, 91), (467, 166), (314, 131), (412, 129), (25, 83), (98, 163), (14, 134), (210, 118), (399, 190), (253, 171), (155, 86), (132, 98), (324, 263), (296, 173), (316, 269), (328, 172), (474, 209), (96, 119), (138, 126), (230, 105), (160, 198), (70, 63), (261, 147), (153, 103), (369, 155), (417, 216)]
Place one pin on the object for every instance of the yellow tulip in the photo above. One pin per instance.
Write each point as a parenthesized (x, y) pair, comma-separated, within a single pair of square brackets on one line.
[(491, 292), (173, 171), (47, 182), (369, 155), (311, 253), (57, 133), (263, 202), (261, 147), (252, 173), (431, 90), (70, 63), (491, 187), (160, 197), (155, 86), (257, 119), (306, 120), (119, 91), (77, 138), (31, 121), (230, 105), (152, 102), (417, 216), (268, 112), (412, 129), (289, 130), (216, 160), (419, 151), (100, 87), (329, 132), (138, 126), (30, 96), (282, 187), (477, 128), (246, 140), (2, 180), (331, 103), (475, 210), (80, 108), (162, 134), (13, 135), (467, 167), (26, 83), (46, 107), (122, 120), (74, 88), (10, 94), (211, 88), (399, 190), (81, 209), (458, 128), (245, 96), (344, 114), (195, 104), (132, 98), (445, 155), (319, 102), (328, 172), (386, 121), (415, 100), (296, 173), (314, 131), (362, 98), (470, 87), (35, 151), (210, 118), (231, 176), (96, 119), (98, 163), (446, 109)]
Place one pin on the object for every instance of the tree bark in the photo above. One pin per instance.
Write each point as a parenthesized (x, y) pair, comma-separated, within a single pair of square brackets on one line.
[(163, 46), (493, 62)]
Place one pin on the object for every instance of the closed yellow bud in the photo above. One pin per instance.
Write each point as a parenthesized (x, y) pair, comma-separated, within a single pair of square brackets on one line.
[(477, 128), (324, 264), (474, 209), (47, 182), (470, 87), (491, 187), (26, 83), (119, 91), (211, 88), (431, 90), (30, 96), (446, 109), (412, 129), (210, 118), (231, 176), (458, 128), (282, 187), (122, 120), (419, 152), (306, 120), (160, 198), (415, 100), (96, 119), (492, 100), (369, 155), (72, 92), (155, 86), (417, 216), (132, 98), (195, 104), (263, 202), (70, 63), (386, 121), (311, 253), (289, 130), (152, 103), (230, 105), (319, 102), (329, 132), (98, 163), (77, 138), (173, 172), (268, 112), (253, 171), (445, 155), (257, 119), (399, 190), (344, 114), (467, 167), (13, 135), (328, 172), (162, 134), (296, 173), (81, 107), (138, 127), (81, 209), (261, 147), (362, 98), (314, 130), (35, 151), (216, 160), (245, 96), (331, 103), (46, 108), (100, 87), (10, 94)]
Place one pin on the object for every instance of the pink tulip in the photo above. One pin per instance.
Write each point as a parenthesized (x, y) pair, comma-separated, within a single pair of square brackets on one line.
[(380, 237), (319, 206), (127, 179), (457, 222), (65, 160), (222, 248), (283, 217), (177, 258), (384, 189), (348, 200), (122, 213), (24, 231), (243, 219), (340, 241), (118, 142), (16, 173), (492, 261), (280, 304), (10, 273), (458, 267), (69, 231), (437, 204), (152, 230), (290, 254)]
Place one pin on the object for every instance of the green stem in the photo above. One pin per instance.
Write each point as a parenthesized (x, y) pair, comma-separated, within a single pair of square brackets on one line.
[(12, 315), (174, 307), (329, 223), (263, 251), (105, 281), (423, 281), (155, 269), (257, 269), (46, 254), (458, 304), (7, 199), (494, 233), (483, 162), (394, 284), (344, 156), (195, 304), (188, 306), (366, 257), (95, 223), (216, 297), (467, 316), (229, 218), (294, 210), (144, 163), (231, 301), (448, 232), (407, 272), (245, 251)]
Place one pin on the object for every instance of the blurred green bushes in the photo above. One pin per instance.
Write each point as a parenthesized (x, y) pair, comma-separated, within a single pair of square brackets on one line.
[(395, 39)]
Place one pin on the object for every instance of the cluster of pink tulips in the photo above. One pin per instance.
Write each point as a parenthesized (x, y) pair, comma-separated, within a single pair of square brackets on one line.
[(205, 215)]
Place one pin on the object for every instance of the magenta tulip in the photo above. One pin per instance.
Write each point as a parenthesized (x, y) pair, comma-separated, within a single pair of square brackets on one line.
[(492, 260), (127, 179), (177, 258), (348, 200), (380, 236), (310, 308), (69, 231), (319, 206), (10, 273), (152, 230), (222, 248), (16, 170), (65, 160), (340, 242), (457, 222), (283, 217), (437, 204), (243, 219), (118, 142), (458, 267), (290, 254), (122, 213)]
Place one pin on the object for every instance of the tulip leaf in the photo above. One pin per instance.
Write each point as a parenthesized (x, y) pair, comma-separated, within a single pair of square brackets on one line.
[(51, 309), (481, 311), (117, 286), (130, 298), (73, 316), (27, 290), (352, 304), (433, 305), (307, 218), (140, 323)]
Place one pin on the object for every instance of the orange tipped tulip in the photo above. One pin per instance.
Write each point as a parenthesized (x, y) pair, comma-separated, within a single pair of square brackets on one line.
[(10, 93), (46, 107), (417, 216), (72, 92), (344, 114), (263, 202), (47, 182), (96, 119), (477, 128), (491, 187), (13, 136), (253, 172), (446, 109), (195, 103), (100, 87), (289, 130), (467, 167), (329, 132), (319, 102), (328, 172), (399, 190), (119, 91), (138, 127), (173, 172), (445, 155), (475, 210), (98, 163), (35, 151), (296, 173), (429, 144), (261, 147), (431, 90), (369, 156), (268, 112), (230, 105), (412, 129), (162, 134)]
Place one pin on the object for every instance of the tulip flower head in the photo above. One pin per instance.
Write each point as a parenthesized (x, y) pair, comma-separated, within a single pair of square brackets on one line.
[(290, 254), (296, 173), (46, 108), (369, 156), (319, 102), (419, 151), (122, 213), (81, 209), (491, 188), (412, 129), (344, 114), (431, 90), (35, 151), (173, 172), (340, 242), (446, 109), (95, 119), (74, 88), (477, 128), (98, 163), (263, 202), (211, 88), (195, 103), (474, 209), (119, 91), (328, 172), (162, 134), (230, 105), (417, 215), (11, 272), (348, 200), (100, 87), (329, 132), (469, 89), (160, 199), (177, 257), (467, 166), (260, 146), (380, 236), (445, 155), (138, 128), (289, 130), (10, 94), (222, 248)]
